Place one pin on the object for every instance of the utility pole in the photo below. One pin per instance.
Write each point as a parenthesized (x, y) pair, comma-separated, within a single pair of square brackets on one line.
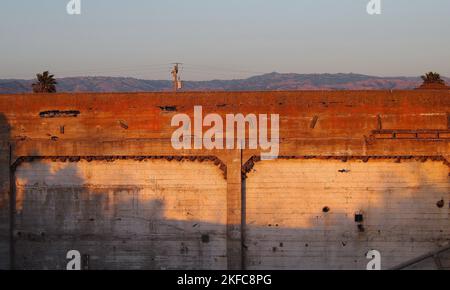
[(177, 85)]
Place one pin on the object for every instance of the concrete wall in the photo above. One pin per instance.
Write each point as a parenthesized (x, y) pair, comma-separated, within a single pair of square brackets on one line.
[(153, 214), (4, 206), (4, 193), (301, 213), (84, 165)]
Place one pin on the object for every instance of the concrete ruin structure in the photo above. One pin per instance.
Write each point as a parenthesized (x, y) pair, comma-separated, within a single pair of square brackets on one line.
[(357, 171)]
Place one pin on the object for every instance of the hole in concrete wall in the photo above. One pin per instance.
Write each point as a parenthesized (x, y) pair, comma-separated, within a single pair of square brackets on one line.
[(168, 108), (314, 122), (59, 114), (205, 239), (359, 218), (440, 204), (361, 228), (326, 209), (123, 124)]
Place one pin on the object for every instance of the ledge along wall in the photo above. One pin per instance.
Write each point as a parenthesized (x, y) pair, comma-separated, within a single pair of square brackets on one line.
[(358, 170)]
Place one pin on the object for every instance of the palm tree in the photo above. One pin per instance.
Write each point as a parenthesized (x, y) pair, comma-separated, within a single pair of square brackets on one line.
[(46, 83), (432, 78)]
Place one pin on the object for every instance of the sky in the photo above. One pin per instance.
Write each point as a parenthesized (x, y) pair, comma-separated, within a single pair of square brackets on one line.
[(223, 39)]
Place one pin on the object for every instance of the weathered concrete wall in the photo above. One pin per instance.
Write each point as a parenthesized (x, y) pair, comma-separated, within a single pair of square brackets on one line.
[(4, 206), (83, 131), (301, 213), (4, 193), (153, 214)]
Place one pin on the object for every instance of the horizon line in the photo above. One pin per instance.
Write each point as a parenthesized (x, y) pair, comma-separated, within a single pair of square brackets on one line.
[(218, 79)]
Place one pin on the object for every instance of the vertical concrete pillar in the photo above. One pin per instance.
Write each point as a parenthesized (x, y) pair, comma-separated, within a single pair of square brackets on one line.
[(234, 213)]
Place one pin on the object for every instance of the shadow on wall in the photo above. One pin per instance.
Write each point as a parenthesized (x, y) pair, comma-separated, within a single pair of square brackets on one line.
[(4, 191), (116, 221), (126, 219), (4, 163)]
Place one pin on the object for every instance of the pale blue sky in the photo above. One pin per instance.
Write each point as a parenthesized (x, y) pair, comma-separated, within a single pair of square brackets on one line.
[(223, 38)]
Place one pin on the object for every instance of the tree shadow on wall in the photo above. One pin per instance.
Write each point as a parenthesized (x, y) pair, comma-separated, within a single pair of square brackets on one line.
[(113, 226)]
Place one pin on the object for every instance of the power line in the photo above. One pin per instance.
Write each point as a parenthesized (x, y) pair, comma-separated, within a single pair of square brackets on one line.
[(211, 73), (149, 67), (196, 69), (224, 69)]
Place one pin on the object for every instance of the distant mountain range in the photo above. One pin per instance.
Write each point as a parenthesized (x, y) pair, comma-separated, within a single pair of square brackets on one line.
[(267, 82)]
